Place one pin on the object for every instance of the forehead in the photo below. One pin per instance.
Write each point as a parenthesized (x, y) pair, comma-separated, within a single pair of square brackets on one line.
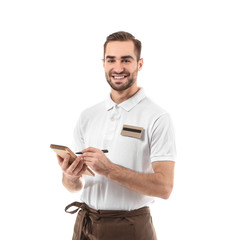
[(120, 48)]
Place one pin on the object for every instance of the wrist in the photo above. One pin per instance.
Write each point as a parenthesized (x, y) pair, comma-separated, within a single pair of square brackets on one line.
[(71, 183), (110, 170)]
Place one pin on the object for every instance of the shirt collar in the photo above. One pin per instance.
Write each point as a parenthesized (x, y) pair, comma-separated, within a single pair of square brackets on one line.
[(129, 103)]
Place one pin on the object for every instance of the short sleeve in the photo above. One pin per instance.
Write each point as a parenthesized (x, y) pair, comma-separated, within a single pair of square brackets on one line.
[(78, 138), (163, 139)]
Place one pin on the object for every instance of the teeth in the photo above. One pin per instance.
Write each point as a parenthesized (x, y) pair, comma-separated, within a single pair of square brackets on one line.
[(119, 77)]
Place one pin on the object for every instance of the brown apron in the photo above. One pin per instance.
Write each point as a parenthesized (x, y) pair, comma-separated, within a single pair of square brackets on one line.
[(111, 224)]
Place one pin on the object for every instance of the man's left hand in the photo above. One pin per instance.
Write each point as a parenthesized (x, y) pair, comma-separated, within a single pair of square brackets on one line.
[(97, 160)]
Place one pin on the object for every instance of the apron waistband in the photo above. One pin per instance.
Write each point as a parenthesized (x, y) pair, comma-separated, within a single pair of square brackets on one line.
[(88, 214), (106, 213)]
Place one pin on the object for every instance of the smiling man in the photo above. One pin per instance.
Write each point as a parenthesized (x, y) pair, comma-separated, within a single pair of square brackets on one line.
[(121, 65), (140, 163)]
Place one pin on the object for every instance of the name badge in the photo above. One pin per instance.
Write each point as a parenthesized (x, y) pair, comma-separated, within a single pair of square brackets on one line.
[(132, 131)]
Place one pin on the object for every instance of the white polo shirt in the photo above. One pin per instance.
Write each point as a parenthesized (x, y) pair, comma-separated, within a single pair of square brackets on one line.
[(100, 127)]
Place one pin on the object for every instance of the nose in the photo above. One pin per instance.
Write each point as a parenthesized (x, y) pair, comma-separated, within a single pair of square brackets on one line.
[(118, 67)]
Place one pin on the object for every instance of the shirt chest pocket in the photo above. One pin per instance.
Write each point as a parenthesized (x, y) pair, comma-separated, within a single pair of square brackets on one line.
[(129, 152), (130, 142), (131, 139)]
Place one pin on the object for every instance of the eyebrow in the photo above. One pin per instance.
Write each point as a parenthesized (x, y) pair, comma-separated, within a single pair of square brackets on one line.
[(128, 56), (123, 57)]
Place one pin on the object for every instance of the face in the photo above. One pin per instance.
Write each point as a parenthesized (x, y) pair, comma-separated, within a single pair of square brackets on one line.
[(120, 65)]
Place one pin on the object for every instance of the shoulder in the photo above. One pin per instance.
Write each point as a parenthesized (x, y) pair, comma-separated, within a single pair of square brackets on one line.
[(153, 115), (152, 109)]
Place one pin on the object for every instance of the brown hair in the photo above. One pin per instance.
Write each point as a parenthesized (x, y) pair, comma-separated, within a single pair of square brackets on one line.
[(124, 36)]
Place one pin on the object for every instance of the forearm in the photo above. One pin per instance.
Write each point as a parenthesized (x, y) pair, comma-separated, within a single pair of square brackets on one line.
[(72, 184), (153, 184), (158, 184)]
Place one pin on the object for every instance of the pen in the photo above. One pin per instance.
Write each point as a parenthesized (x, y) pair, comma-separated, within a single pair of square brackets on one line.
[(105, 151)]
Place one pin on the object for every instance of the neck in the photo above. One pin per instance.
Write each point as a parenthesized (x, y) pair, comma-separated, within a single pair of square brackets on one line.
[(121, 96)]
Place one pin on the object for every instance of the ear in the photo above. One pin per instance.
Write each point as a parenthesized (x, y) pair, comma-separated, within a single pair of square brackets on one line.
[(140, 64)]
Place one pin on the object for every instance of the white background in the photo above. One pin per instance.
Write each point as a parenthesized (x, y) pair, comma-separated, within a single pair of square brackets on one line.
[(51, 69)]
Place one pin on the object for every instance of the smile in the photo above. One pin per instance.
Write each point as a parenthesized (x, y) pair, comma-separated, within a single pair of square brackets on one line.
[(119, 77)]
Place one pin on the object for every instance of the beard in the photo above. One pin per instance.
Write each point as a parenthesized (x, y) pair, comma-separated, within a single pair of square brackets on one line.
[(124, 84)]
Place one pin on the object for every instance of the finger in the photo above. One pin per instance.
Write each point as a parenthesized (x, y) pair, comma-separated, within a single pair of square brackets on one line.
[(65, 164), (74, 164), (89, 149), (88, 160), (78, 167), (60, 160), (88, 154), (81, 171)]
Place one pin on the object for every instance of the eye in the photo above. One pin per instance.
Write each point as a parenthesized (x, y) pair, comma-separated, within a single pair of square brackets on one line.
[(126, 61), (110, 61)]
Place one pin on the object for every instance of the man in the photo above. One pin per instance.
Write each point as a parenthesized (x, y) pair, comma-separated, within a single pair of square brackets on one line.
[(140, 163)]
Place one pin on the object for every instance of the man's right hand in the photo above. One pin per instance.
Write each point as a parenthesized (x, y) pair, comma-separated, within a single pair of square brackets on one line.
[(75, 169)]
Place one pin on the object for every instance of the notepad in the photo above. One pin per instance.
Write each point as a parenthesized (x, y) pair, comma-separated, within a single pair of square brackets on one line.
[(62, 151)]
